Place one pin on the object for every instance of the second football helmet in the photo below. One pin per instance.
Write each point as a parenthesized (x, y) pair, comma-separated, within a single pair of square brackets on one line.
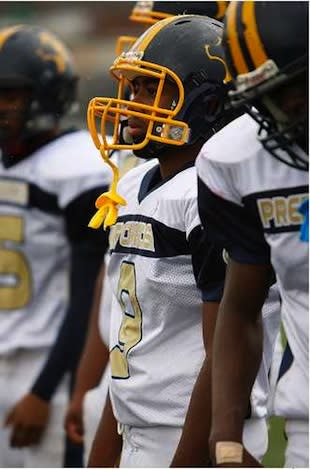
[(266, 48), (32, 58), (148, 13)]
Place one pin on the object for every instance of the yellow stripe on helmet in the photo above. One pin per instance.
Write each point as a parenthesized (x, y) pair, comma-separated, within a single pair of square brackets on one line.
[(251, 34), (150, 33), (233, 39), (221, 9), (7, 32)]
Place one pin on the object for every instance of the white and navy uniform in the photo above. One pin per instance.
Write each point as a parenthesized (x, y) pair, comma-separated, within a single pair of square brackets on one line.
[(46, 201), (156, 325), (156, 345), (250, 202)]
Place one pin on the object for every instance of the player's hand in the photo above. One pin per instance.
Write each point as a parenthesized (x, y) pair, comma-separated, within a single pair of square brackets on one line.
[(74, 420), (28, 419)]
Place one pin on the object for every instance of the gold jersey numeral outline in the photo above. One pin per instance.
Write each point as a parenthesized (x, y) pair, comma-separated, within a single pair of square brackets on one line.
[(130, 332), (14, 263)]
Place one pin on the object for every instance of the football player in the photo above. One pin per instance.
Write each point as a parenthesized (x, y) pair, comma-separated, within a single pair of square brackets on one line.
[(49, 259), (253, 197), (90, 390), (156, 241)]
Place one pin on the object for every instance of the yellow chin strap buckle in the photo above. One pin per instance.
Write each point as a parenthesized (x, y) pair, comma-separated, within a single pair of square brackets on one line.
[(107, 203)]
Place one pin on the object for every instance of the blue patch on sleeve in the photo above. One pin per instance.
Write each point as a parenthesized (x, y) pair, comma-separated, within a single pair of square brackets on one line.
[(304, 231)]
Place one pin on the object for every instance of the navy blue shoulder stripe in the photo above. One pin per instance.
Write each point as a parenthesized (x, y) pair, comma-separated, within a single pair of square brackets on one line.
[(147, 237), (45, 201), (230, 226), (20, 193)]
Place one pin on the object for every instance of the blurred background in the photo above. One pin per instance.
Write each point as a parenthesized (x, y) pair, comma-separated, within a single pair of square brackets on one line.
[(89, 29)]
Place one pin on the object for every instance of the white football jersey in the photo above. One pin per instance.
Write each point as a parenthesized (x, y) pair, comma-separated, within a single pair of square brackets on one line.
[(34, 193), (125, 160), (256, 198), (156, 325), (156, 333)]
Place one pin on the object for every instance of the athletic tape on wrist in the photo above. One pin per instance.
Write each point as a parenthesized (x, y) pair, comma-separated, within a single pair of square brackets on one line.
[(228, 452)]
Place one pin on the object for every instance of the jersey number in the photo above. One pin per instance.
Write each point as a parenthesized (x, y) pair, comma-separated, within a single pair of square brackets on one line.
[(15, 276), (130, 332)]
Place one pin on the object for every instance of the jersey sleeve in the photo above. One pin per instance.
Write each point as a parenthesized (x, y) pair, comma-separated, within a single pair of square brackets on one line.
[(76, 193), (230, 224), (207, 259)]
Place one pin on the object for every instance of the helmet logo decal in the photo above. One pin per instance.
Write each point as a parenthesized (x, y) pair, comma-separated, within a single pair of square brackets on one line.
[(53, 50), (228, 77), (6, 33)]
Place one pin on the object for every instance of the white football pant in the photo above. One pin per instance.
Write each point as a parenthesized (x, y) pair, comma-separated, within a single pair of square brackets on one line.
[(155, 446)]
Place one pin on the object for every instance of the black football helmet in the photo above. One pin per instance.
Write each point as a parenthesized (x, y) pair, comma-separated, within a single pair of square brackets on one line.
[(34, 59), (185, 50), (148, 13), (266, 49)]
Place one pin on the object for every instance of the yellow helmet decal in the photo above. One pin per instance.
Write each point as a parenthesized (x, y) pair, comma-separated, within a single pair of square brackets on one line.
[(228, 77)]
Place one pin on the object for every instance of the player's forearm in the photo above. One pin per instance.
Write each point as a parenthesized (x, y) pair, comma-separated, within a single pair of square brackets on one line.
[(237, 355), (95, 355), (107, 443), (193, 450), (93, 361), (66, 351)]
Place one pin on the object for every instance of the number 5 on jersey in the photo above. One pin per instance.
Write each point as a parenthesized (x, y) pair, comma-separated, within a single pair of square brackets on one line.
[(130, 332), (15, 275)]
